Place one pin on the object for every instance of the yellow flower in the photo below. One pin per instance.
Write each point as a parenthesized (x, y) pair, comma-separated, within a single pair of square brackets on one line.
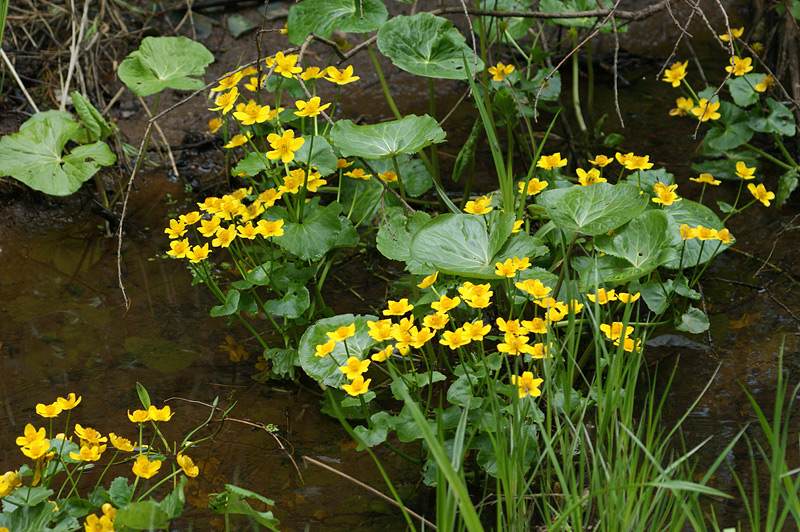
[(252, 113), (469, 290), (8, 482), (480, 301), (358, 387), (539, 351), (687, 233), (601, 160), (429, 280), (684, 106), (517, 227), (123, 444), (160, 414), (98, 524), (629, 344), (724, 236), (548, 162), (89, 435), (521, 264), (675, 73), (626, 297), (343, 163), (88, 453), (445, 304), (707, 179), (31, 435), (139, 416), (589, 178), (229, 82), (254, 85), (389, 176), (284, 146), (505, 269), (323, 350), (534, 186), (342, 333), (665, 194), (312, 73), (398, 308), (616, 330), (380, 330), (435, 321), (534, 287), (238, 139), (358, 173), (510, 326), (188, 465), (744, 172), (500, 71), (639, 163), (514, 345), (766, 83), (737, 32), (383, 355), (705, 233), (268, 229), (214, 124), (198, 253), (176, 229), (454, 339), (706, 111), (760, 193), (51, 410), (481, 205), (739, 66), (224, 237), (190, 218), (603, 296), (624, 160), (144, 468), (285, 65), (269, 197), (340, 77), (535, 326), (36, 449), (528, 386), (476, 330), (247, 231), (354, 367), (224, 102), (311, 107)]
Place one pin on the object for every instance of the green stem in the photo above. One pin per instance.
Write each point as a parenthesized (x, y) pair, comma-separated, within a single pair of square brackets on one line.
[(576, 97), (768, 156), (384, 86)]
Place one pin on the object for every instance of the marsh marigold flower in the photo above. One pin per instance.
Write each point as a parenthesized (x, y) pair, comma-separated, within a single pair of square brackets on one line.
[(188, 465), (51, 410), (225, 102), (398, 308), (228, 82), (429, 280), (445, 304), (760, 193), (144, 468), (36, 449), (739, 66), (743, 171), (138, 416), (479, 206), (88, 453), (500, 71), (675, 73), (534, 186), (706, 110), (284, 146), (8, 482), (589, 178), (601, 160), (252, 113), (665, 194), (31, 435), (312, 72), (436, 320), (214, 124), (737, 32), (323, 350), (285, 65), (706, 179), (548, 162), (389, 176), (310, 108), (603, 296), (454, 339), (514, 345), (615, 330), (505, 269), (357, 387), (358, 173), (354, 367), (766, 83), (341, 77), (528, 386), (342, 333), (476, 330), (238, 140), (198, 253), (683, 107), (123, 444)]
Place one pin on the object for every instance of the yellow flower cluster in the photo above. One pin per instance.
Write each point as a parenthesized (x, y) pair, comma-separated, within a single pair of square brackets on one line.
[(634, 162), (103, 523), (228, 217), (705, 233), (665, 194)]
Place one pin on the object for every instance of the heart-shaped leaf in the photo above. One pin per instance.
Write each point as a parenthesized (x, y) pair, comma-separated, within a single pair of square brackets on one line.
[(427, 45), (742, 89), (780, 120), (735, 129), (324, 16), (292, 304), (595, 209), (36, 156), (315, 236), (162, 62), (326, 369), (387, 139), (322, 156)]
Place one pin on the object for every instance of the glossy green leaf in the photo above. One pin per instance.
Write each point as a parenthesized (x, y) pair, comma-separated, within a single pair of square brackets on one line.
[(322, 156), (292, 305), (394, 236), (144, 515), (324, 16), (550, 91), (694, 214), (35, 155), (693, 321), (326, 369), (779, 120), (427, 45), (595, 209), (370, 437), (786, 185), (165, 62), (457, 244), (315, 236), (91, 117), (387, 139), (731, 130), (234, 501), (742, 89), (251, 165), (648, 241), (229, 306)]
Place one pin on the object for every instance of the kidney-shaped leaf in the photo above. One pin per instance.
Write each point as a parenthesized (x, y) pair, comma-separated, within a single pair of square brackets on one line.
[(595, 209), (646, 242), (735, 129), (694, 214), (36, 157), (780, 120), (427, 45), (324, 16), (387, 139), (326, 369), (162, 62)]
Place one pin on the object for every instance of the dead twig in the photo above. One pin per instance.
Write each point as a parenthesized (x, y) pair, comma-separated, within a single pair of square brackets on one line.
[(627, 15), (783, 306), (19, 81)]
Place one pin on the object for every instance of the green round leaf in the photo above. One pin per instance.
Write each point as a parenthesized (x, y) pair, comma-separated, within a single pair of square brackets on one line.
[(315, 236), (162, 62), (324, 16), (326, 369), (780, 120), (322, 156), (742, 89), (595, 209), (36, 156), (387, 139), (427, 45), (731, 130)]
